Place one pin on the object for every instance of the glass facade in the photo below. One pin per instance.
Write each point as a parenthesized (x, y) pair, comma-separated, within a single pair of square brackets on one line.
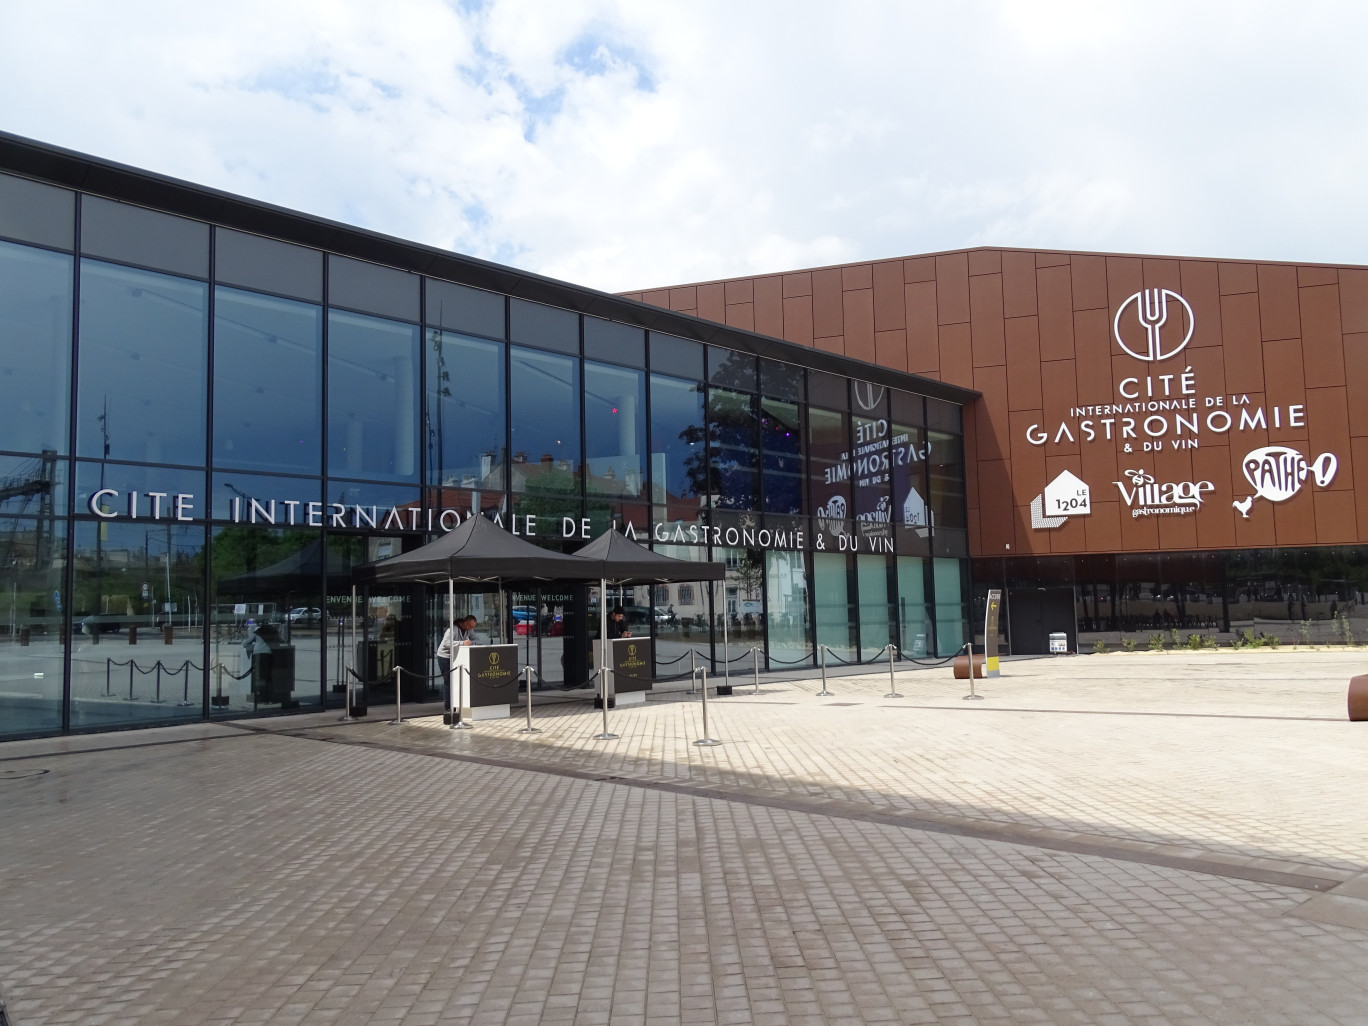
[(205, 430)]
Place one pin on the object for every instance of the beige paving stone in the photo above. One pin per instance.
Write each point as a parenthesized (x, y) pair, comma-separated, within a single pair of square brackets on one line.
[(1068, 850)]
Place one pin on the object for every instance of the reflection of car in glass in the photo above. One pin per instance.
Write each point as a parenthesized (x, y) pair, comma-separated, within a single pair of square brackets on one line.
[(304, 614), (524, 613), (101, 623)]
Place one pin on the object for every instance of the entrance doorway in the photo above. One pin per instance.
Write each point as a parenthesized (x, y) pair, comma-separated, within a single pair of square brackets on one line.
[(1036, 613)]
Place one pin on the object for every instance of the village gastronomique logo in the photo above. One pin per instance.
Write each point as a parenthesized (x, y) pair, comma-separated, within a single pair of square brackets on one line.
[(1148, 497)]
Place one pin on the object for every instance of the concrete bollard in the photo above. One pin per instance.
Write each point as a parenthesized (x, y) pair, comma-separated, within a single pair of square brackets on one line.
[(1358, 697)]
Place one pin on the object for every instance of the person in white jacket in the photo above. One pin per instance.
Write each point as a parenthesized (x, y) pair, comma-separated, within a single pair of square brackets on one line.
[(463, 633)]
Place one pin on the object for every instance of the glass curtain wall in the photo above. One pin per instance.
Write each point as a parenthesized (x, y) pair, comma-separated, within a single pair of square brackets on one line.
[(875, 624), (465, 421), (912, 617), (786, 601), (831, 594), (268, 383), (372, 397), (35, 349)]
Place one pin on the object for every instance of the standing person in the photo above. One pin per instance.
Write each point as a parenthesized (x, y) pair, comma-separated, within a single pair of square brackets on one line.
[(463, 633)]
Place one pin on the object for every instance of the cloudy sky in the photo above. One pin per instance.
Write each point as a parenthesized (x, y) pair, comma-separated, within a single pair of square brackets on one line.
[(624, 144)]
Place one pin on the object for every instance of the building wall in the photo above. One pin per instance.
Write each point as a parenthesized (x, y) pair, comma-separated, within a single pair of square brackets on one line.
[(1033, 332)]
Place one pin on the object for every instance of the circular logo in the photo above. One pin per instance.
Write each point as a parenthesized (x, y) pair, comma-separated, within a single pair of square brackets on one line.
[(493, 658), (1159, 325)]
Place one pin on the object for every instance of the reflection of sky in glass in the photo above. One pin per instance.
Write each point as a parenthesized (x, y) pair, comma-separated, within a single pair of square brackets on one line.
[(35, 348), (615, 428), (268, 382), (372, 397), (465, 427), (142, 365), (545, 414), (676, 408)]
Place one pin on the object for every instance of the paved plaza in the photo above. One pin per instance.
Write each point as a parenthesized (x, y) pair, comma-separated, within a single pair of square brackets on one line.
[(1103, 840)]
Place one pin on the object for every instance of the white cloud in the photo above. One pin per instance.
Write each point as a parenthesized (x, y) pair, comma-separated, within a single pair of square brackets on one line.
[(624, 145)]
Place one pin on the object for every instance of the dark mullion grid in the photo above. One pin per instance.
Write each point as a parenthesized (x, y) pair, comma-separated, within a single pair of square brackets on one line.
[(207, 531), (69, 574)]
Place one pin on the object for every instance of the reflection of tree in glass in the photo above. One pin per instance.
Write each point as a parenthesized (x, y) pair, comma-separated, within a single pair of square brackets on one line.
[(730, 434), (749, 574)]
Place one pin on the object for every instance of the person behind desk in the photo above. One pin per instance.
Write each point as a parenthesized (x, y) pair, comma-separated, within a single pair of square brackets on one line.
[(463, 633), (617, 624)]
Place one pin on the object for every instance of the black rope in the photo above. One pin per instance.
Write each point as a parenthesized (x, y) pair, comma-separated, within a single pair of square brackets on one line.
[(668, 662), (790, 662), (368, 683)]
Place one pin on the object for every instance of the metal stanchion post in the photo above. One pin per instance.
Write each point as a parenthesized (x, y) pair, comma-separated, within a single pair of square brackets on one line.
[(603, 690), (824, 693), (892, 688), (972, 696), (398, 696), (707, 739), (185, 695), (756, 653), (529, 729), (693, 668), (460, 723)]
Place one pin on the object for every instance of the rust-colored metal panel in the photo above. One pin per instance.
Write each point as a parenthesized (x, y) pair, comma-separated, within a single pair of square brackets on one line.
[(1125, 277), (769, 306), (1334, 513), (831, 344), (657, 297), (858, 307), (1201, 288), (1089, 274), (1353, 284), (1322, 343), (1285, 388), (971, 464), (923, 337), (1092, 348), (996, 530), (1216, 518), (1241, 334), (985, 261), (985, 318), (1317, 276), (684, 299), (890, 349), (856, 276), (827, 312), (1356, 381), (1208, 374), (1162, 274), (1028, 461), (741, 315), (890, 311), (956, 358), (1327, 423), (711, 301), (798, 320), (1238, 278), (1295, 520), (1138, 533), (1059, 394), (1278, 313), (919, 269), (1358, 448), (1018, 284), (1102, 529), (739, 290), (1054, 288), (991, 426), (1022, 336), (797, 284), (952, 288), (1051, 259)]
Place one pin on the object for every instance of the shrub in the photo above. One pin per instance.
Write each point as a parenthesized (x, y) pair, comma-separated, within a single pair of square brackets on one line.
[(1271, 640), (1194, 641), (1304, 631), (1100, 647), (1128, 644), (1156, 642)]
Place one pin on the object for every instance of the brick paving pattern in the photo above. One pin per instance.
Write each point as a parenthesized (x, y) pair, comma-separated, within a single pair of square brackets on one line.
[(1115, 840)]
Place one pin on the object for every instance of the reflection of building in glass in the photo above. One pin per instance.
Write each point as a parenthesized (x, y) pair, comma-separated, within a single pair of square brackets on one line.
[(209, 422)]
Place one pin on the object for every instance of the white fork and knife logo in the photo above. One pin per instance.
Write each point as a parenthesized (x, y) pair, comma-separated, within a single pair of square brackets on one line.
[(1152, 310)]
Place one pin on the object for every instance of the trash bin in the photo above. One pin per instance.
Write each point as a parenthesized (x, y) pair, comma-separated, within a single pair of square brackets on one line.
[(168, 633), (1059, 644)]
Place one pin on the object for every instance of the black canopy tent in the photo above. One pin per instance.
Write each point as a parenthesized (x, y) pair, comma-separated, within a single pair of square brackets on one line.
[(479, 551)]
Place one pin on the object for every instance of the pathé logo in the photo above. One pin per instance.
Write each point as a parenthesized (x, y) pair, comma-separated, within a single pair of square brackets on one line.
[(1277, 472), (1158, 328)]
